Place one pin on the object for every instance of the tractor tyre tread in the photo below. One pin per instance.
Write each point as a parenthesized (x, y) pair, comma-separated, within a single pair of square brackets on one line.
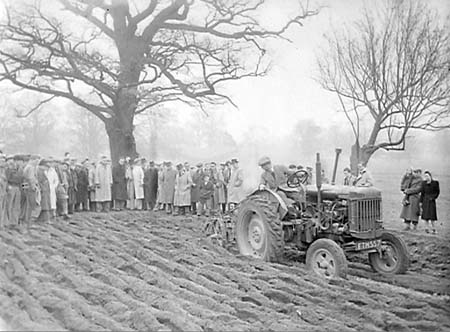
[(276, 243), (336, 251), (401, 245)]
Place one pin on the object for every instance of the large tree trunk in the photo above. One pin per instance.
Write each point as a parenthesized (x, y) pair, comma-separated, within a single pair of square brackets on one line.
[(121, 140), (360, 154)]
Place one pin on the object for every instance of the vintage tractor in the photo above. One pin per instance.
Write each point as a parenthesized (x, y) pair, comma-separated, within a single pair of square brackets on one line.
[(329, 222)]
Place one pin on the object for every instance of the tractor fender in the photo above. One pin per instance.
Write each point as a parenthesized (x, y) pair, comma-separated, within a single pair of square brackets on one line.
[(272, 196)]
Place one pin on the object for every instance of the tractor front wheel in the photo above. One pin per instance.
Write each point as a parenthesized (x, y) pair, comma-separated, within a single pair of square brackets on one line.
[(393, 257), (327, 259)]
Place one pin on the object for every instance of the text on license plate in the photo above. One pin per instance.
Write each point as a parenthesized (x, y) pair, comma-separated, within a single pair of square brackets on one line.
[(364, 245)]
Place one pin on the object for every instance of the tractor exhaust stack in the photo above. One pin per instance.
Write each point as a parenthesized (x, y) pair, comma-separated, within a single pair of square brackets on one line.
[(336, 160)]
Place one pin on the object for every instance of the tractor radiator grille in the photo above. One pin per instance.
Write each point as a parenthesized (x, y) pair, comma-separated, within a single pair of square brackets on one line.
[(365, 214)]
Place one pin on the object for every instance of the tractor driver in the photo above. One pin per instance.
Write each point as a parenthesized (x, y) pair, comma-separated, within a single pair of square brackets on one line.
[(275, 178)]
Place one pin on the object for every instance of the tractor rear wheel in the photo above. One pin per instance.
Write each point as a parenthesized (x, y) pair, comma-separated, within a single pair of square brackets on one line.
[(394, 256), (259, 231), (327, 259)]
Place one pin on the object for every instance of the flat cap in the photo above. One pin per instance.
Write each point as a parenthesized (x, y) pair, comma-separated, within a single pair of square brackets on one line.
[(263, 161)]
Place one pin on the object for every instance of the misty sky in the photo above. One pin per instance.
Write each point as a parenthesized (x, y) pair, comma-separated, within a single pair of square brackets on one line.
[(275, 103), (289, 92)]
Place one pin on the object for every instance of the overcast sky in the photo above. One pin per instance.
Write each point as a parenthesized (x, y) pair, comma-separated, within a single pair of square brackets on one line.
[(289, 92)]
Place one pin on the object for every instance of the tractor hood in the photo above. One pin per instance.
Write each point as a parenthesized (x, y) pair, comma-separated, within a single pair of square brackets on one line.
[(330, 192)]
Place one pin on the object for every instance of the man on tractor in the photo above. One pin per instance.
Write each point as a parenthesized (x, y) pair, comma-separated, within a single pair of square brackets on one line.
[(275, 178)]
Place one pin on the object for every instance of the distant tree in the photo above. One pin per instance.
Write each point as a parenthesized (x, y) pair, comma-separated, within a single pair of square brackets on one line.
[(390, 69), (119, 58), (88, 135), (31, 134)]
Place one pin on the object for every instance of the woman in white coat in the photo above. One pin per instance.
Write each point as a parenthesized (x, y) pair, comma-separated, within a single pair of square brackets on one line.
[(183, 184), (138, 181), (53, 181)]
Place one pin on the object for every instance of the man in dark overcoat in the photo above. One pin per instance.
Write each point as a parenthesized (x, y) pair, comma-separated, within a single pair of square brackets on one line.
[(119, 187), (197, 178), (411, 205), (150, 186), (82, 187)]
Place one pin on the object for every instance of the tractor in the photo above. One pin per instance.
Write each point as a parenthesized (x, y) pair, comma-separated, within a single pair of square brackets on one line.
[(329, 222)]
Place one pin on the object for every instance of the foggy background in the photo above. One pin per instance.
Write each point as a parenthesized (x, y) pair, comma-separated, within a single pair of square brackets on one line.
[(285, 115)]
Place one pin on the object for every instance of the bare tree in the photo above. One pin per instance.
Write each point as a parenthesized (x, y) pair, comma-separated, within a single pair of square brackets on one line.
[(392, 67), (88, 139), (135, 54)]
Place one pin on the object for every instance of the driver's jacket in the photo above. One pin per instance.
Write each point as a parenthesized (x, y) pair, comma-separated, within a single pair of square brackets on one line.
[(276, 178)]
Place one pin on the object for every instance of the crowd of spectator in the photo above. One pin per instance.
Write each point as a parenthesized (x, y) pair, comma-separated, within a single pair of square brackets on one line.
[(33, 188)]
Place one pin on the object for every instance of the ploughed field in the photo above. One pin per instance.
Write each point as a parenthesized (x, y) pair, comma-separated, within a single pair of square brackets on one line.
[(149, 271)]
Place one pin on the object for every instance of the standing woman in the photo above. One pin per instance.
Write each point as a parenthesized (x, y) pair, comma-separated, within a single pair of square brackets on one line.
[(44, 186), (429, 194)]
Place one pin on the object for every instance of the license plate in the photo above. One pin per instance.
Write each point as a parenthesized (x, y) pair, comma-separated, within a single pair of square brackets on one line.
[(364, 245)]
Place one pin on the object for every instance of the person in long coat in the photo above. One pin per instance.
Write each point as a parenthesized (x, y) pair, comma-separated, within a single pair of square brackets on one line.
[(159, 196), (138, 182), (30, 190), (53, 181), (235, 186), (103, 183), (61, 191), (430, 192), (183, 184), (168, 184), (3, 188), (197, 178), (44, 187), (221, 188), (92, 187), (73, 186), (130, 184), (150, 186), (119, 190), (14, 176), (411, 206), (82, 194)]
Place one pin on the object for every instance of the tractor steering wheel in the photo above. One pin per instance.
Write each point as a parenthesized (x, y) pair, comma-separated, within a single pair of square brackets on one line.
[(297, 179)]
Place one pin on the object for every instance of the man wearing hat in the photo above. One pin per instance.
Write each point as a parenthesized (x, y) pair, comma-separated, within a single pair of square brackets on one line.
[(275, 178), (169, 177), (72, 180), (221, 188), (197, 178), (82, 194), (150, 186), (30, 189), (3, 187), (160, 193), (138, 182), (45, 214), (119, 189), (14, 176), (103, 183), (55, 187), (235, 186), (183, 184)]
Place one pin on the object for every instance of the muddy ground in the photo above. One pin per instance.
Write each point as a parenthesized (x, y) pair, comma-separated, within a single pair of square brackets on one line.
[(149, 271)]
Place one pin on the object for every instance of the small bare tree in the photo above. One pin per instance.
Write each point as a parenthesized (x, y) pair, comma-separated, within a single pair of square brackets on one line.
[(119, 58), (392, 67)]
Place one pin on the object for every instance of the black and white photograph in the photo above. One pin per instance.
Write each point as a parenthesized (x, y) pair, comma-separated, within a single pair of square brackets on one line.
[(225, 165)]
